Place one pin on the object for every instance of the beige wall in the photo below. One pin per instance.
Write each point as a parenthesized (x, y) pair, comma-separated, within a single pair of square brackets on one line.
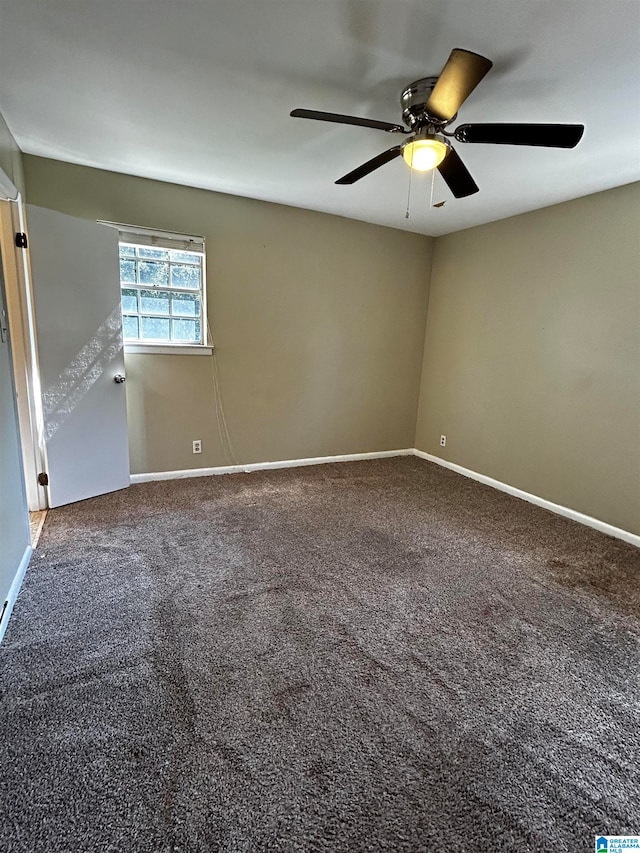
[(10, 156), (318, 324), (532, 354)]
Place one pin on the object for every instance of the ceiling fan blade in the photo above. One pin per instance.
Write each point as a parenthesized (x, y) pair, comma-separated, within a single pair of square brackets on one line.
[(459, 77), (340, 119), (456, 175), (370, 165), (544, 135)]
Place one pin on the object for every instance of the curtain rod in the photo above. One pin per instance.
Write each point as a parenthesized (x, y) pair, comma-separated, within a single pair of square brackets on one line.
[(150, 232)]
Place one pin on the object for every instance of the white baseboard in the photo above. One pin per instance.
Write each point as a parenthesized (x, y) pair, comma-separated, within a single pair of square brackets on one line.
[(263, 466), (573, 514), (14, 589)]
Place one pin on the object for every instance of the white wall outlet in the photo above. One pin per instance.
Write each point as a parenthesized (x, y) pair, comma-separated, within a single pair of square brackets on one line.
[(197, 445), (443, 441)]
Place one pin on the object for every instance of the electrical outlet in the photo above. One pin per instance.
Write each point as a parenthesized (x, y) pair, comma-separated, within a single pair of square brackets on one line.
[(197, 445), (443, 441)]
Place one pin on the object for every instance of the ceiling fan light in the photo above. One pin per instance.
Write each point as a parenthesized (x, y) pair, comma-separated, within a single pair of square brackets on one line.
[(424, 153)]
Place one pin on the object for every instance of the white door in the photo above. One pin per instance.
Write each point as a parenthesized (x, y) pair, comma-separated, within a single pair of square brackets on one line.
[(14, 521), (76, 285)]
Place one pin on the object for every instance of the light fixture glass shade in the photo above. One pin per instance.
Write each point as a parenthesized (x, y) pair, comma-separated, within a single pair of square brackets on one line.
[(424, 154)]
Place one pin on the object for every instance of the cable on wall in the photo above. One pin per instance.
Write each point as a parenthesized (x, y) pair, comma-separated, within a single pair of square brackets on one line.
[(223, 430)]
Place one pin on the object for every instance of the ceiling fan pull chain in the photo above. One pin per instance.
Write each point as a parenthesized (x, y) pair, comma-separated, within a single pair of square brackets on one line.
[(433, 177), (407, 214)]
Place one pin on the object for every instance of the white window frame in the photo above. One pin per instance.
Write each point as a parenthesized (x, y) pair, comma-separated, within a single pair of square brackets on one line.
[(152, 238)]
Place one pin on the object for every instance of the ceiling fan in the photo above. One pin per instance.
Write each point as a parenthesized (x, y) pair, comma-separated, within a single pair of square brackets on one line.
[(429, 105)]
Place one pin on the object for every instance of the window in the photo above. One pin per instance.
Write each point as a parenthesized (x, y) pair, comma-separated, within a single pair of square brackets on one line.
[(163, 289)]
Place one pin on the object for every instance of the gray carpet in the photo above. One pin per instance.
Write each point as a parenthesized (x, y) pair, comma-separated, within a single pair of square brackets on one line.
[(372, 656)]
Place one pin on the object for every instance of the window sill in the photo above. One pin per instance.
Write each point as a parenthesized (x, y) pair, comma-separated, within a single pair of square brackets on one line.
[(166, 349)]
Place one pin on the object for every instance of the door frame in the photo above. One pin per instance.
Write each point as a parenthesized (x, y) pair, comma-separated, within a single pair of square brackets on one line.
[(24, 347)]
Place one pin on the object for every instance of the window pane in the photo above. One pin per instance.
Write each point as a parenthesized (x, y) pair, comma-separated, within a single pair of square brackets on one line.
[(184, 257), (127, 270), (185, 305), (182, 276), (185, 330), (161, 254), (154, 328), (130, 327), (153, 272), (129, 299), (154, 302), (151, 310)]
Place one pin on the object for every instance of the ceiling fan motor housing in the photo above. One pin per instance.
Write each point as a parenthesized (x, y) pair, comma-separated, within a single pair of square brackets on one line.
[(413, 101)]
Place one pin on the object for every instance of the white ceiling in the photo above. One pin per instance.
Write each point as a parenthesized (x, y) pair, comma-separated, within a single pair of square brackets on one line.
[(199, 93)]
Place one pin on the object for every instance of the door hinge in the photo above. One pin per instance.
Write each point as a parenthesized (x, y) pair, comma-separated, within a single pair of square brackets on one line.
[(21, 240), (43, 479)]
